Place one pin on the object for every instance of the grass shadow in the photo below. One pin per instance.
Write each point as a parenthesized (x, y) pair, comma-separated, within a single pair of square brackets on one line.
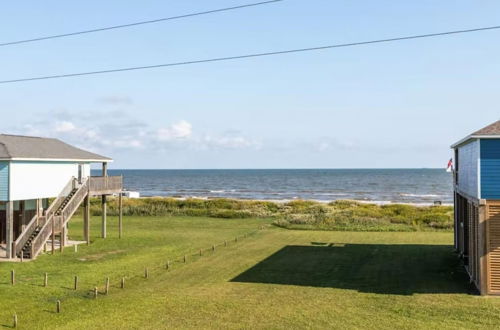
[(372, 268)]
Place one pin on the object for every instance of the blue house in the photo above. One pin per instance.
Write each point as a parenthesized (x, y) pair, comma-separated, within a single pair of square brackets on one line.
[(477, 206)]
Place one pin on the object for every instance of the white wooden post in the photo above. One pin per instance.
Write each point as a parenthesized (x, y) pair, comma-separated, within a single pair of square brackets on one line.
[(104, 204)]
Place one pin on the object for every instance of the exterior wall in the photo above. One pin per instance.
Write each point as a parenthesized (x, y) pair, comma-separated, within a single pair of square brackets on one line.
[(468, 168), (493, 247), (4, 181), (490, 168), (32, 180)]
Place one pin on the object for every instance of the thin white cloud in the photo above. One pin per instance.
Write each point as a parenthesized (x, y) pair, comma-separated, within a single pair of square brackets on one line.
[(177, 131), (230, 142), (116, 100), (64, 127)]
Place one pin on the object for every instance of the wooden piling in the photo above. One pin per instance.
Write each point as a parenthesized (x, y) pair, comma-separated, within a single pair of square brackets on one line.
[(213, 248), (13, 277), (58, 306), (120, 215), (201, 252), (184, 259), (122, 284), (146, 272), (46, 280), (76, 283), (15, 321), (167, 266), (106, 286), (96, 292)]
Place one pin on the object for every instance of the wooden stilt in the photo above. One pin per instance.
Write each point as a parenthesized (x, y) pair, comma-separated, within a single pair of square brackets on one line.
[(53, 238), (63, 238), (86, 219), (104, 217), (120, 215), (104, 206), (10, 229)]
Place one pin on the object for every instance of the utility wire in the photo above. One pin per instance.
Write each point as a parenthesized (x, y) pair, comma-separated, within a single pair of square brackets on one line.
[(10, 43), (229, 58)]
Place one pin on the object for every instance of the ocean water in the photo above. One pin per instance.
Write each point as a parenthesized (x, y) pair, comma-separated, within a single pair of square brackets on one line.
[(422, 186)]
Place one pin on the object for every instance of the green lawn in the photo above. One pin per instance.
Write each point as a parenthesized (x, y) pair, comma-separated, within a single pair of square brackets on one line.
[(275, 278)]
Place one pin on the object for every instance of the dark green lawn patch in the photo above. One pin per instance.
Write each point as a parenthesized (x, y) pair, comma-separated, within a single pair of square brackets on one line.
[(401, 269)]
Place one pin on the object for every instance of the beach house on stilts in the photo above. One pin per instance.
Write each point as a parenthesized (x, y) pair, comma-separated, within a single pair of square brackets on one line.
[(43, 182), (477, 206)]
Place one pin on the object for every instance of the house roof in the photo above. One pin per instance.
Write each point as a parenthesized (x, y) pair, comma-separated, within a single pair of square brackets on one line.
[(491, 131), (17, 147)]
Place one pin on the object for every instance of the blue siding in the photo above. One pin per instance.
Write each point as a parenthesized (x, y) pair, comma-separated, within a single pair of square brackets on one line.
[(4, 181), (490, 168)]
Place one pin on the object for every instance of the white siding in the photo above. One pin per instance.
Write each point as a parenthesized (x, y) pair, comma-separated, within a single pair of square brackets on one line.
[(468, 168), (32, 180)]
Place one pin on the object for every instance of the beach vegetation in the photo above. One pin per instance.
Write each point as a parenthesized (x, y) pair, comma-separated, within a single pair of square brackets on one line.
[(338, 215)]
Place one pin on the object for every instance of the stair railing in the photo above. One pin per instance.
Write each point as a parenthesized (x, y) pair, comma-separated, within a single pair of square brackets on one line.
[(25, 235), (62, 196), (75, 202), (42, 237)]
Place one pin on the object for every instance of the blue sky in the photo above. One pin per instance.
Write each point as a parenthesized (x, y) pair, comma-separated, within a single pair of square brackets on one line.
[(388, 105)]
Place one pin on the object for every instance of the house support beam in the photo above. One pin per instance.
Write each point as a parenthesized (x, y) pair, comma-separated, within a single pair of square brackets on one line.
[(104, 204), (120, 215), (104, 217), (39, 210), (64, 236), (86, 219), (483, 249), (9, 228), (53, 238)]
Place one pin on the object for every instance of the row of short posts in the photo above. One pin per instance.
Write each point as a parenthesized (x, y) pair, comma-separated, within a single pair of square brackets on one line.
[(107, 282), (146, 275)]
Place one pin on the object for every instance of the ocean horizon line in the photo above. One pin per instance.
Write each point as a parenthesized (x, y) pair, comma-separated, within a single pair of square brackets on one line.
[(276, 168)]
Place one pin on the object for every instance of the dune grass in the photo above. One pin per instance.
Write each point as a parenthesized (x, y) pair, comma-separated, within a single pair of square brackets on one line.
[(337, 215), (276, 278)]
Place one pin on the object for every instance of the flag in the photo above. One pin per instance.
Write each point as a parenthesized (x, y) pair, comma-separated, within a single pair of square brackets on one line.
[(449, 168)]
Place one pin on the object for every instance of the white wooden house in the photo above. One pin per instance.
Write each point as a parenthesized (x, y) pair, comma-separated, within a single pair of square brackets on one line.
[(43, 181)]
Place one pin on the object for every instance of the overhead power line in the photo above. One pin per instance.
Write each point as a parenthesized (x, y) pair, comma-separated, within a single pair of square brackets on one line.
[(115, 27), (230, 58)]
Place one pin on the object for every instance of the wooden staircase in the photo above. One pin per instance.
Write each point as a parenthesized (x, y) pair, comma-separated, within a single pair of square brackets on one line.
[(66, 201), (31, 242), (26, 249), (54, 220)]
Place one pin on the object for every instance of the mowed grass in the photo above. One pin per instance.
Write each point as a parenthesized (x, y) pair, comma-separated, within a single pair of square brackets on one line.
[(275, 278)]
